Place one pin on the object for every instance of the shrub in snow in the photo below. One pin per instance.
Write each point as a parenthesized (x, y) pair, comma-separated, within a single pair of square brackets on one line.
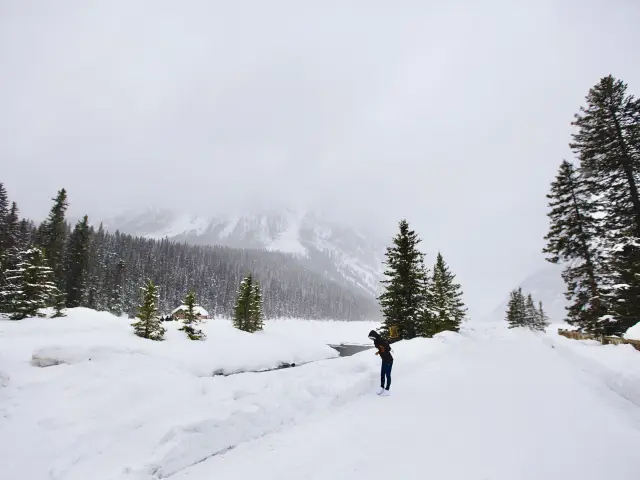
[(149, 324), (191, 319)]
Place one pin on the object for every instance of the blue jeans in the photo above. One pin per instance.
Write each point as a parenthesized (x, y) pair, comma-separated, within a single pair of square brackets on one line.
[(385, 371)]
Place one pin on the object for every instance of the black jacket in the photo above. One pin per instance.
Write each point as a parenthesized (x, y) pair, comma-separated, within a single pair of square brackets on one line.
[(384, 349)]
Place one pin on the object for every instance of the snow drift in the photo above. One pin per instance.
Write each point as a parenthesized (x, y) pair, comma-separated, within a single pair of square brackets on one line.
[(87, 398), (82, 397)]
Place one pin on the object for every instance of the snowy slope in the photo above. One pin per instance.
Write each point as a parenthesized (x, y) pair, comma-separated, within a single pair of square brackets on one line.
[(546, 285), (486, 403), (340, 252), (498, 406)]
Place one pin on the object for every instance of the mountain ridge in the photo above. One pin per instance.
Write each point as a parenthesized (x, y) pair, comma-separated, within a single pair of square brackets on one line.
[(339, 252)]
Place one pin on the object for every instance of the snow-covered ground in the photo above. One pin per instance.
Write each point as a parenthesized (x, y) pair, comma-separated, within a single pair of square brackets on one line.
[(633, 333), (489, 403)]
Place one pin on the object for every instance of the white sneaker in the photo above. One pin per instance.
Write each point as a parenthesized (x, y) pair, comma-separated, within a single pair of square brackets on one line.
[(385, 393), (380, 391)]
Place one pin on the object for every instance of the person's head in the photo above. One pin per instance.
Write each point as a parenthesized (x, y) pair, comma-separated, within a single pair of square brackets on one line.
[(373, 335)]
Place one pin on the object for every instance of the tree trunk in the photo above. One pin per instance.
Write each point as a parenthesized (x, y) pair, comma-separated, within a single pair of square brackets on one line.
[(627, 164)]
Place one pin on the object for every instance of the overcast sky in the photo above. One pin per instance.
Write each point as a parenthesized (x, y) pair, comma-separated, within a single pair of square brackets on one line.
[(454, 115)]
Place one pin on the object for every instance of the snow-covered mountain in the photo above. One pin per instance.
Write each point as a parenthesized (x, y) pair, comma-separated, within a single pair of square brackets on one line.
[(340, 252), (545, 285)]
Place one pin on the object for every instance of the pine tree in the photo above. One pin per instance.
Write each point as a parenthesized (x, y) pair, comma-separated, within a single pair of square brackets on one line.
[(31, 286), (516, 316), (59, 304), (12, 234), (608, 145), (449, 310), (427, 323), (76, 264), (191, 318), (402, 302), (531, 313), (542, 320), (572, 238), (4, 228), (12, 255), (54, 236), (149, 324), (255, 313), (116, 302), (244, 304)]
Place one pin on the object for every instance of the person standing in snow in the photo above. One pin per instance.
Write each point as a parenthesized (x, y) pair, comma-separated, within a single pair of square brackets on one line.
[(384, 350)]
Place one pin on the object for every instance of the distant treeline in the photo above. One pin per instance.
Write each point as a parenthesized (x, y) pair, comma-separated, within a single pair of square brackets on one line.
[(102, 270)]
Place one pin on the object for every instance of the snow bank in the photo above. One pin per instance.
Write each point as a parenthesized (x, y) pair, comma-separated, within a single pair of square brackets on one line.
[(86, 335), (263, 403), (88, 399), (499, 404), (633, 333), (616, 366)]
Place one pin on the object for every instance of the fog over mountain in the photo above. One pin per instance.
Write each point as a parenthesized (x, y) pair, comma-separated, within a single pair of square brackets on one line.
[(454, 115), (339, 252)]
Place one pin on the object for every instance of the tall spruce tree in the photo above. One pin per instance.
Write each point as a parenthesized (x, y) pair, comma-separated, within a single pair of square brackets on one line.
[(4, 229), (77, 263), (449, 309), (542, 320), (191, 320), (516, 316), (255, 314), (12, 256), (607, 142), (12, 235), (148, 324), (531, 314), (573, 238), (402, 301), (116, 301), (427, 324), (244, 305), (54, 234), (31, 286)]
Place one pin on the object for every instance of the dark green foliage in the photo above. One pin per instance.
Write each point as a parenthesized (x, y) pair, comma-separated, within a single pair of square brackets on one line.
[(522, 312), (118, 264), (516, 316), (59, 305), (427, 325), (191, 320), (12, 235), (213, 273), (54, 236), (12, 255), (530, 313), (402, 302), (115, 300), (573, 238), (414, 303), (30, 286), (4, 229), (76, 264), (244, 314), (542, 321), (255, 314), (447, 307), (607, 143), (148, 324), (248, 311)]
